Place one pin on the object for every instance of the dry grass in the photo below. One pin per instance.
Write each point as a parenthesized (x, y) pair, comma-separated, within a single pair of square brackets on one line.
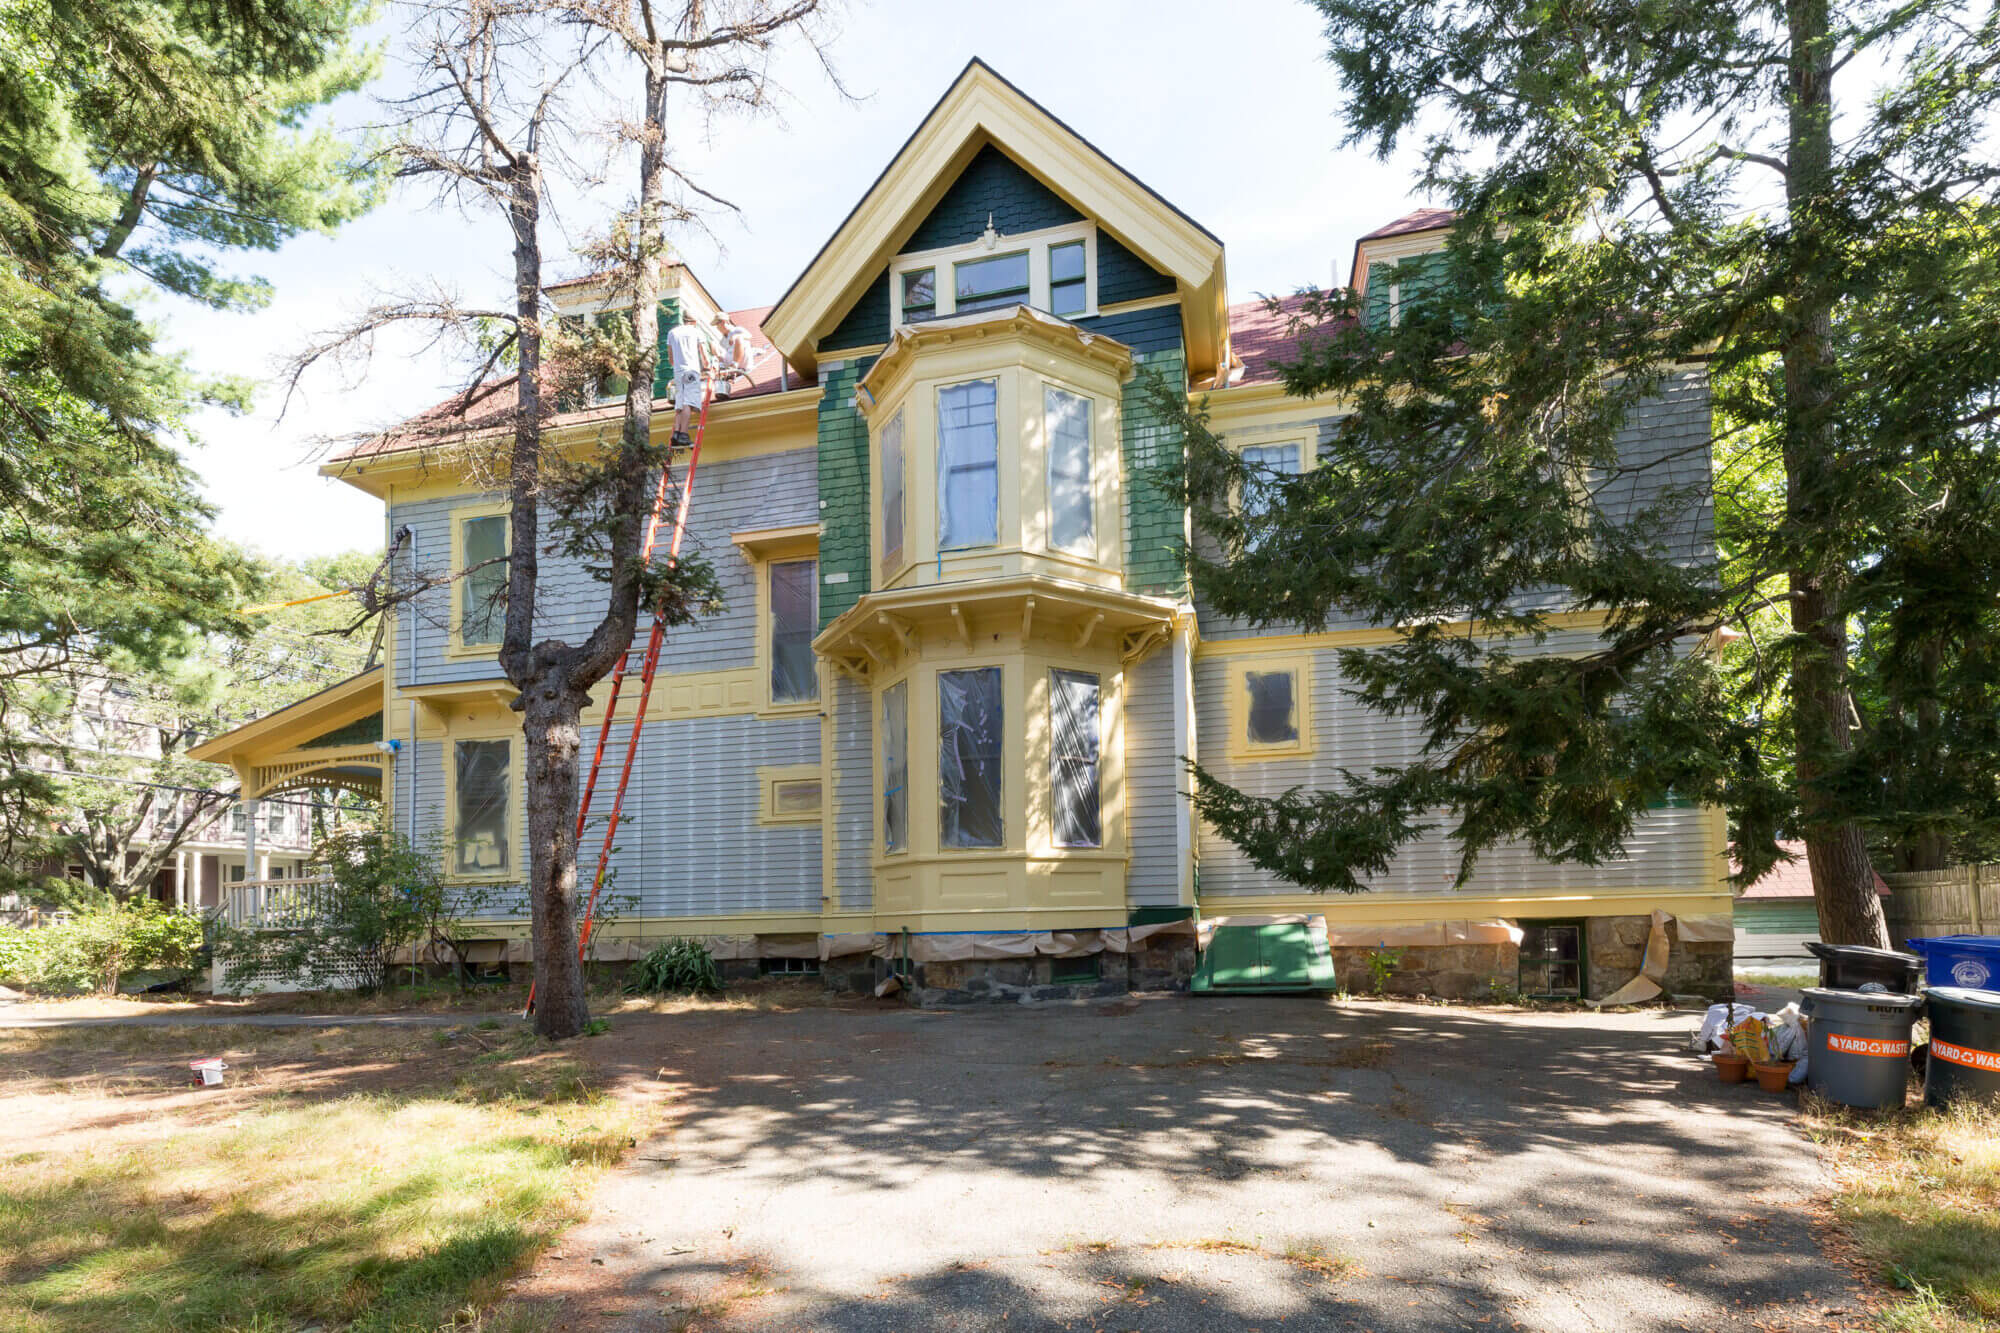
[(1920, 1193), (405, 1205)]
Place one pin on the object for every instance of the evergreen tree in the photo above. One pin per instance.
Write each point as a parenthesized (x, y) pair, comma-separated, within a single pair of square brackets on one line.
[(1645, 193)]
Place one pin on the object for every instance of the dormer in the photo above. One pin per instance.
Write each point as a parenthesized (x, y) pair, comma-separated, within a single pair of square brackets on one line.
[(1390, 259), (994, 450), (595, 298)]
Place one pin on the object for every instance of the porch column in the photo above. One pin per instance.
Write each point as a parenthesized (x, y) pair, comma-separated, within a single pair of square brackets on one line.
[(181, 879), (250, 858)]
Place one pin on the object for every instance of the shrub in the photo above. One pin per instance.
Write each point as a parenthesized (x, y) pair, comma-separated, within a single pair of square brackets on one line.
[(678, 967), (17, 953), (93, 948)]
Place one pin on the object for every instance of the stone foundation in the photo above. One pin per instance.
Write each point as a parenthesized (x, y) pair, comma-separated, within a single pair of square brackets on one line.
[(1160, 963), (1614, 947)]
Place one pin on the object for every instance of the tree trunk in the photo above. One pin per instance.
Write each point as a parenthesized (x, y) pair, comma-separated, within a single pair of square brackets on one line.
[(553, 731), (1822, 711)]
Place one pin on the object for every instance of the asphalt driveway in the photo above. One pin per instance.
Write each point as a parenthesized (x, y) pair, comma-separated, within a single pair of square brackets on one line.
[(1200, 1164)]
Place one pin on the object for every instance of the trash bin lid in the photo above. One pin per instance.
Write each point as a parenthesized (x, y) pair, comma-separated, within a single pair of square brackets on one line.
[(1819, 997), (1965, 995), (1861, 953)]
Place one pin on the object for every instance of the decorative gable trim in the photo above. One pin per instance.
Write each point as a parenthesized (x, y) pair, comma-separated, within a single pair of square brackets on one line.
[(979, 109)]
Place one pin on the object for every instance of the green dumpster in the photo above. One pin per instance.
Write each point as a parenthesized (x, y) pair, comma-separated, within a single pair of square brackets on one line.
[(1286, 957)]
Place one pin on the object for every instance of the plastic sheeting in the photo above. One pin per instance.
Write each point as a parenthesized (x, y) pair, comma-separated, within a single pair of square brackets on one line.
[(794, 621), (896, 766), (956, 948), (969, 740)]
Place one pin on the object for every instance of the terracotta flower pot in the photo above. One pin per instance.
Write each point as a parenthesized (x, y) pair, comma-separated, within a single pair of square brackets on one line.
[(1774, 1077), (1734, 1068)]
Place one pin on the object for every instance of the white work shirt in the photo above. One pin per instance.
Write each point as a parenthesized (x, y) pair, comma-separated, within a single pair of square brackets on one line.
[(684, 348)]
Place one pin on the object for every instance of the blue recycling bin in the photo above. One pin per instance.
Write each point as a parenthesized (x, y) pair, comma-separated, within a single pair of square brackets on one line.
[(1971, 962)]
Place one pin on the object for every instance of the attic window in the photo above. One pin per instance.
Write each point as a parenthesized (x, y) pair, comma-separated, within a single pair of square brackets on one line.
[(1053, 270)]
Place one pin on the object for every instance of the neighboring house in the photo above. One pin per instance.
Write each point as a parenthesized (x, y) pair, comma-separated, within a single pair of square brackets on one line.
[(943, 714), (1777, 916), (107, 731)]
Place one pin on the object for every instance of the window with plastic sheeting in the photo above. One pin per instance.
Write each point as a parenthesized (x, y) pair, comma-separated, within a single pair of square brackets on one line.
[(1072, 504), (1273, 715), (892, 494), (794, 621), (896, 767), (1073, 759), (482, 772), (968, 465), (482, 591), (969, 757)]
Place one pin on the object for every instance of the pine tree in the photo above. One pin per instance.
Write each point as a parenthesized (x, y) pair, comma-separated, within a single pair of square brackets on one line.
[(1647, 192)]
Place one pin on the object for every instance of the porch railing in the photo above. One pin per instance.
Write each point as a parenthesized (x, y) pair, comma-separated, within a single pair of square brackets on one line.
[(276, 904)]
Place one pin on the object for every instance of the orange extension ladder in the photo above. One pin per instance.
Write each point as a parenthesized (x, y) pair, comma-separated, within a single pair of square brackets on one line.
[(646, 673)]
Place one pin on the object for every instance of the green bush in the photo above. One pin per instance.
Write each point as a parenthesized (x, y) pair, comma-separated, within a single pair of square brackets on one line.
[(91, 949), (678, 967)]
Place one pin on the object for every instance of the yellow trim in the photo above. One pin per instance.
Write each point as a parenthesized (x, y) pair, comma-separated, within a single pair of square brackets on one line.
[(513, 871), (1240, 746), (770, 778), (334, 707), (1143, 303), (943, 263), (455, 646), (1386, 909), (778, 543), (981, 108)]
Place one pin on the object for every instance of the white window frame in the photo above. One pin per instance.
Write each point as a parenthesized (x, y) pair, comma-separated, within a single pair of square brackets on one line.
[(1036, 243)]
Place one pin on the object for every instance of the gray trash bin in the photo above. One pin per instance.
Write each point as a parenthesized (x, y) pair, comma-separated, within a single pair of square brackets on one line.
[(1964, 1062), (1858, 1052)]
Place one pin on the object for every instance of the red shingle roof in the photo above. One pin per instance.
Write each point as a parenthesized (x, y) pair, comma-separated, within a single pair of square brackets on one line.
[(1424, 219), (1789, 879), (492, 403), (1261, 337)]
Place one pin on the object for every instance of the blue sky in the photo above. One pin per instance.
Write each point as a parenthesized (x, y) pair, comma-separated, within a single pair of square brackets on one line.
[(1229, 111)]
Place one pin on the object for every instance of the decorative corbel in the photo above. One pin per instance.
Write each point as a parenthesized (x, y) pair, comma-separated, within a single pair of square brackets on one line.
[(1027, 618), (964, 630), (905, 633), (1089, 628)]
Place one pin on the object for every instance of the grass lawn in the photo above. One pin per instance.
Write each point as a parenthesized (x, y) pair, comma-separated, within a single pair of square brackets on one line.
[(1920, 1193), (369, 1179)]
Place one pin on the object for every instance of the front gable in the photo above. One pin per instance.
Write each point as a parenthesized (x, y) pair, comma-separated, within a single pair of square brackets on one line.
[(988, 155)]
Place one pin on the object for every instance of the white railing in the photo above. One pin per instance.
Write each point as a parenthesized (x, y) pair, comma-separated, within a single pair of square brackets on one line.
[(275, 904)]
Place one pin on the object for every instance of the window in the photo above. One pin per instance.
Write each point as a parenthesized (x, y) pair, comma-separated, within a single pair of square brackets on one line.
[(236, 874), (969, 738), (1270, 464), (1551, 958), (1073, 759), (1274, 708), (788, 967), (274, 819), (919, 295), (794, 621), (987, 284), (791, 794), (239, 817), (1075, 971), (1270, 707), (483, 836), (892, 495), (1067, 285), (896, 767), (1072, 503), (968, 465), (482, 589)]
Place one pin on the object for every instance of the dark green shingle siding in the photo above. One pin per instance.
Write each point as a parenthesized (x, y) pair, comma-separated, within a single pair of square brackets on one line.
[(1144, 331), (991, 184), (1154, 528), (866, 324), (843, 491), (1123, 276)]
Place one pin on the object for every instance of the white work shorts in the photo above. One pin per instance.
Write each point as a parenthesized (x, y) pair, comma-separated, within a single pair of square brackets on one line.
[(687, 389)]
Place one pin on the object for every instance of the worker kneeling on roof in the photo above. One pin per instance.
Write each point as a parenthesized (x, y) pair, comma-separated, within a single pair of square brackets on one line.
[(738, 358), (689, 354)]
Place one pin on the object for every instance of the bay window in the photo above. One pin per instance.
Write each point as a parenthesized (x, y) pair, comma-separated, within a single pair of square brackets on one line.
[(896, 767), (1074, 758), (968, 469), (969, 758), (892, 495)]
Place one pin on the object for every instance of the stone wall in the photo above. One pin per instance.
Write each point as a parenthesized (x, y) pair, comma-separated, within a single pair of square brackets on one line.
[(1160, 963), (1614, 947)]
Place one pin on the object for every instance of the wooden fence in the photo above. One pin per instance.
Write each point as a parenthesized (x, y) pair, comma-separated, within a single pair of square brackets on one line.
[(1959, 900)]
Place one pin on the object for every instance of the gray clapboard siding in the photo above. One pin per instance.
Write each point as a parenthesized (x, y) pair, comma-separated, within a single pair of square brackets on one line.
[(1663, 452), (730, 495), (1152, 779), (1668, 849)]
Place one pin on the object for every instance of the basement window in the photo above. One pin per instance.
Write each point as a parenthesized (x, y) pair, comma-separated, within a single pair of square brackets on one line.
[(788, 967), (1552, 959), (1074, 971)]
